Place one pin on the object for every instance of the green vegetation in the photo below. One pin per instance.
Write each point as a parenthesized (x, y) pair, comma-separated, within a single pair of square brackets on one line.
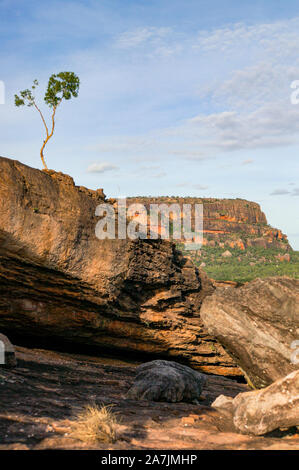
[(244, 265), (62, 86)]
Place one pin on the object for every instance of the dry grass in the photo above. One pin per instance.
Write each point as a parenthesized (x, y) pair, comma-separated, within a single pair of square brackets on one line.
[(95, 424)]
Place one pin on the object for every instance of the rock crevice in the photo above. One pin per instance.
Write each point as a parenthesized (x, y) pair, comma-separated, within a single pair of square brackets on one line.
[(59, 280)]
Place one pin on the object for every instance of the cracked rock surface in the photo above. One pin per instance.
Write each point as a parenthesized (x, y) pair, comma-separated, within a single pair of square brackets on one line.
[(59, 283), (41, 398), (258, 324), (261, 411), (167, 381)]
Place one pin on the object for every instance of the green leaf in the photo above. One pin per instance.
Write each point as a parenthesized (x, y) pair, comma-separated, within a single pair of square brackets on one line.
[(19, 101), (62, 86)]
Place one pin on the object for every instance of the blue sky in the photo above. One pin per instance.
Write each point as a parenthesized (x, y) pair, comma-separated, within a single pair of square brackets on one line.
[(177, 97)]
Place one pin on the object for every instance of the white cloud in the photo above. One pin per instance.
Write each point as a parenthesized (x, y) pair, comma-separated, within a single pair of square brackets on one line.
[(100, 167), (254, 98), (167, 96), (274, 124), (279, 192), (266, 36), (250, 93), (139, 36)]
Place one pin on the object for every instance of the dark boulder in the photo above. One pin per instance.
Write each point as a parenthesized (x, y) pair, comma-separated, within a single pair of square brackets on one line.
[(167, 381)]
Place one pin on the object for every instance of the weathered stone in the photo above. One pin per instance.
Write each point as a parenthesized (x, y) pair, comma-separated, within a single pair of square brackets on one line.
[(61, 283), (236, 223), (257, 324), (42, 398), (225, 405), (226, 254), (226, 284), (167, 381), (261, 411), (7, 352)]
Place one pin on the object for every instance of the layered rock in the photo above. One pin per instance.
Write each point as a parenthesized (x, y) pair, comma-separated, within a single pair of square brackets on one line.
[(262, 411), (258, 324), (234, 223), (60, 282)]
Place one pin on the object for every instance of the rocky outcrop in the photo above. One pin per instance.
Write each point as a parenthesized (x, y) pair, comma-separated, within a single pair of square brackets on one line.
[(226, 284), (167, 381), (7, 352), (226, 254), (59, 282), (257, 324), (44, 396), (262, 411), (232, 223)]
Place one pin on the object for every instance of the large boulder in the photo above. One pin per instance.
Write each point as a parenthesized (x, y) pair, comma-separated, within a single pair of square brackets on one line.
[(258, 324), (7, 353), (166, 381), (60, 283), (261, 411)]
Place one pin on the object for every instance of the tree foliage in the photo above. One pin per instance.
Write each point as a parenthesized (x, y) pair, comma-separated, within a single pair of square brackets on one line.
[(61, 86)]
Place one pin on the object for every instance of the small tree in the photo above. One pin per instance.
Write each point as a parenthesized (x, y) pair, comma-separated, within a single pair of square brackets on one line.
[(62, 86)]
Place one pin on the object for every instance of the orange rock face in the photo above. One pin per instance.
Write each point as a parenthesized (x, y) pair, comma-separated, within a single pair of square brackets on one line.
[(61, 284), (285, 257), (237, 222)]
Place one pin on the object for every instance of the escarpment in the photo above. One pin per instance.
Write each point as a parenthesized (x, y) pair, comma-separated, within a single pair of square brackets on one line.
[(236, 223), (58, 281)]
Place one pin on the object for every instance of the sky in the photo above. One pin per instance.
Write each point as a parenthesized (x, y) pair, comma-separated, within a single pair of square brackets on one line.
[(177, 97)]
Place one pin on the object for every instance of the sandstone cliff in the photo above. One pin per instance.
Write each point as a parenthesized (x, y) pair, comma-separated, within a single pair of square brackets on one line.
[(60, 282), (234, 222)]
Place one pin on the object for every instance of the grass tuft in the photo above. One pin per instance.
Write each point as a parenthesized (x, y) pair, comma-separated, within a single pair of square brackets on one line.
[(95, 424)]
